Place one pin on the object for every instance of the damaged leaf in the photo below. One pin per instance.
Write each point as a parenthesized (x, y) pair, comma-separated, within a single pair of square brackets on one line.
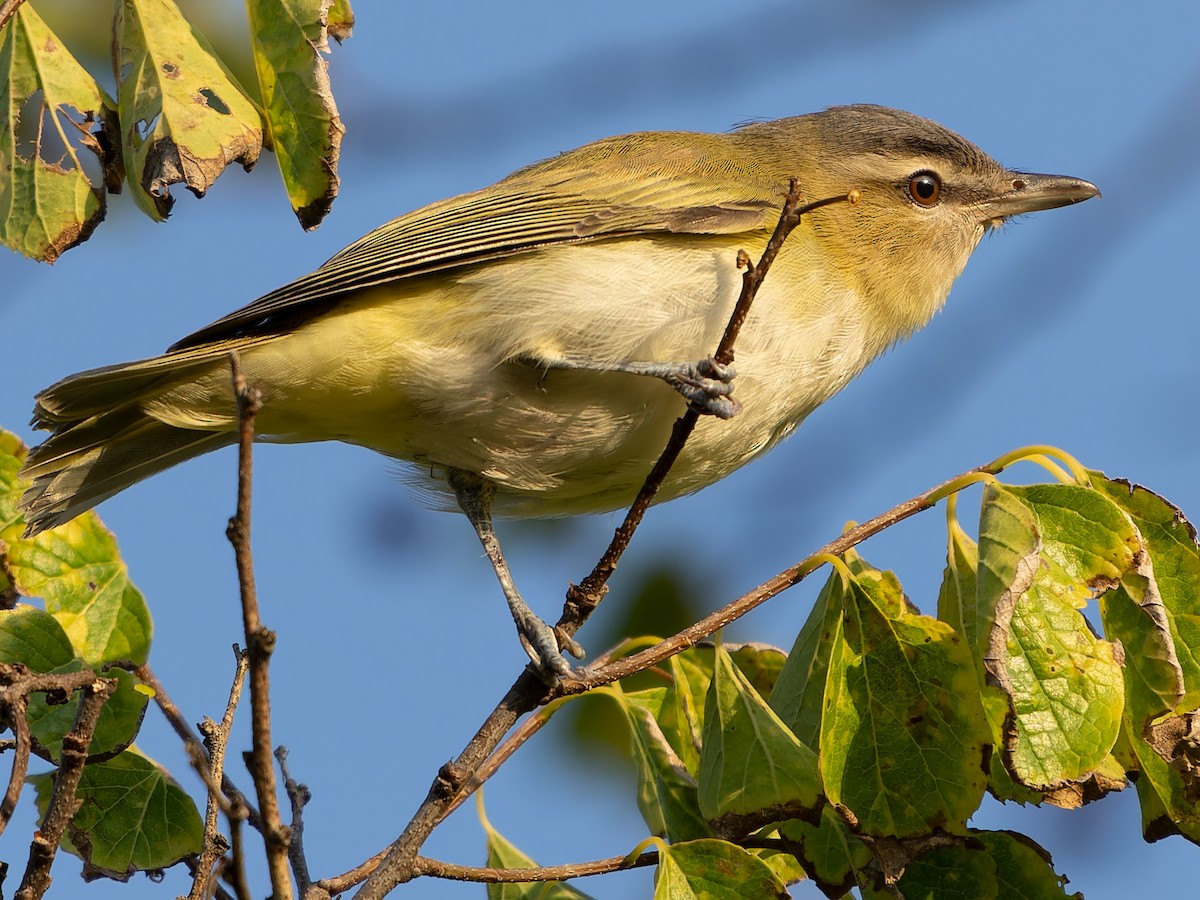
[(183, 116), (290, 40), (1043, 551), (56, 139)]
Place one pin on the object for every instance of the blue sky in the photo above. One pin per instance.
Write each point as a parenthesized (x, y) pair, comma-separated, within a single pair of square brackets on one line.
[(1074, 327)]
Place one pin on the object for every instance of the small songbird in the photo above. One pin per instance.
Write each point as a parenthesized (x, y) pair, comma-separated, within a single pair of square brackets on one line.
[(511, 343)]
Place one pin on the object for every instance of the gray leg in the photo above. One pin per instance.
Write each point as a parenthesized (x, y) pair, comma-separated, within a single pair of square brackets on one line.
[(474, 495), (707, 385)]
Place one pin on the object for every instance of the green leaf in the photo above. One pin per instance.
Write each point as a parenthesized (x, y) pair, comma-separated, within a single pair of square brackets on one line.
[(50, 110), (666, 792), (503, 854), (116, 728), (760, 663), (1043, 550), (714, 870), (183, 115), (830, 854), (289, 39), (132, 816), (33, 637), (799, 692), (753, 770), (989, 864), (79, 572), (903, 736), (1157, 618), (691, 672)]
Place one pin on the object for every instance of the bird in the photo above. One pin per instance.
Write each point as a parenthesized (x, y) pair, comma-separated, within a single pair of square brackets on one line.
[(511, 344)]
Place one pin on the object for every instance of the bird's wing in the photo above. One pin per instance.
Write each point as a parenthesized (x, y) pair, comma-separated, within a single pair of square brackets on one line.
[(563, 200)]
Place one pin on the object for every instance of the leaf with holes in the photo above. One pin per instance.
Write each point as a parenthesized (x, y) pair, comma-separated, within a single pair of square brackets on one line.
[(184, 118), (57, 131)]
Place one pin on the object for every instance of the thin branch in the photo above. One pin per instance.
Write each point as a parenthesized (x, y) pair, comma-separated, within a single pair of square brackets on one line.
[(490, 875), (582, 599), (299, 795), (235, 867), (529, 690), (8, 9), (63, 802), (195, 750), (16, 684), (15, 711), (260, 642), (711, 624), (216, 738)]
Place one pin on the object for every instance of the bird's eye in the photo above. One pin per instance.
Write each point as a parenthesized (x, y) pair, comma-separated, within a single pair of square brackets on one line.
[(925, 188)]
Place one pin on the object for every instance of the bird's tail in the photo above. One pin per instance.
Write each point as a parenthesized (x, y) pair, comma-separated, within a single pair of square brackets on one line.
[(104, 439)]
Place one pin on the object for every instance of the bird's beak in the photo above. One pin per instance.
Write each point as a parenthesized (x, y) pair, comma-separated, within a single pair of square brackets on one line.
[(1031, 193)]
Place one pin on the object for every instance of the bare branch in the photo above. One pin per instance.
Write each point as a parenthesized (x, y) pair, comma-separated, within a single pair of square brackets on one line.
[(63, 802), (216, 738), (260, 642), (490, 875)]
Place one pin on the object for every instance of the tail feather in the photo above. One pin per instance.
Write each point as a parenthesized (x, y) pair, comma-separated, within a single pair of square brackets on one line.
[(104, 440)]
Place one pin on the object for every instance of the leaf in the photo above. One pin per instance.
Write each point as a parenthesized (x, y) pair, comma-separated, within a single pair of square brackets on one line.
[(799, 692), (132, 817), (903, 737), (1157, 618), (666, 792), (691, 673), (830, 854), (1043, 551), (79, 572), (714, 870), (116, 727), (503, 854), (50, 110), (34, 638), (289, 39), (753, 770), (341, 20), (183, 115), (989, 864)]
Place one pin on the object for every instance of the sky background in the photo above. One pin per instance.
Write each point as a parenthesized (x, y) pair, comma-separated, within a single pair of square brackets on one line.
[(1074, 327)]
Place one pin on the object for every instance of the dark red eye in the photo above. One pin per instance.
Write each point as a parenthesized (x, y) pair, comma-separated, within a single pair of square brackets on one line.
[(925, 188)]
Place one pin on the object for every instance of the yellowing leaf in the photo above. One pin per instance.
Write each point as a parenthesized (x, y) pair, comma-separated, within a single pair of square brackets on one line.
[(183, 116), (290, 38), (50, 110)]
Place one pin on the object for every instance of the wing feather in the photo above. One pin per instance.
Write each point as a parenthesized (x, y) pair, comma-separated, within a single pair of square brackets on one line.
[(638, 184)]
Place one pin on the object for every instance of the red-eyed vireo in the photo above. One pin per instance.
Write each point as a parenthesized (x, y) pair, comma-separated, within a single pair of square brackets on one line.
[(501, 341)]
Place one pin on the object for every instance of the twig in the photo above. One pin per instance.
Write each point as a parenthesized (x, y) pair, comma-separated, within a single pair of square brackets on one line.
[(16, 684), (63, 802), (216, 738), (529, 690), (14, 710), (583, 598), (235, 869), (711, 624), (260, 642), (299, 795), (490, 875), (8, 9), (195, 750)]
